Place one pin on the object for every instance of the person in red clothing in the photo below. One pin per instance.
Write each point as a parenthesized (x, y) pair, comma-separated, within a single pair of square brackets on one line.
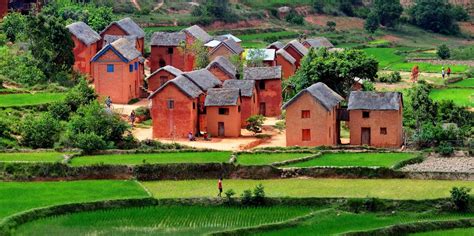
[(449, 71), (219, 186)]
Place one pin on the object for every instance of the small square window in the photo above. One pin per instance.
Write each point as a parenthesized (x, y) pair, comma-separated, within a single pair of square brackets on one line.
[(306, 135), (383, 131), (223, 111), (365, 114), (110, 68), (170, 50), (136, 65), (130, 68), (305, 114), (261, 85), (170, 104)]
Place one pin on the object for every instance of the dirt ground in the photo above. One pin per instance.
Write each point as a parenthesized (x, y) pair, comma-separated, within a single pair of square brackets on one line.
[(125, 109), (342, 23)]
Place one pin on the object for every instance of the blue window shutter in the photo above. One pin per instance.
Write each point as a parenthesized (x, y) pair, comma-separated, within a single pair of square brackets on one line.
[(110, 68), (136, 65), (131, 67)]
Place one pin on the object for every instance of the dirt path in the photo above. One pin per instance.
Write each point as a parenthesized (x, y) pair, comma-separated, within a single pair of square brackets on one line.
[(135, 3), (125, 109)]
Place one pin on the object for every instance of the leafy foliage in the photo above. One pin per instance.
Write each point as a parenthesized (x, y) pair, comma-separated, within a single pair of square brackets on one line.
[(460, 197), (445, 148), (331, 25), (393, 77), (388, 11), (200, 52), (443, 52), (214, 10), (22, 69), (294, 18), (423, 107), (434, 15), (14, 26), (459, 13), (255, 123), (40, 131), (89, 142), (255, 58), (372, 22)]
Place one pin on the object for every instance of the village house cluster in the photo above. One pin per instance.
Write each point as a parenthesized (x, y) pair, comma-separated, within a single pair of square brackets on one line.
[(218, 99)]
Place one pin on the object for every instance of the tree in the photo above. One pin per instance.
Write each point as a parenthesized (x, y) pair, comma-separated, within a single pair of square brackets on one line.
[(331, 25), (422, 106), (434, 15), (346, 7), (14, 25), (336, 69), (255, 123), (372, 22), (22, 69), (443, 52), (255, 57), (459, 13), (40, 131), (318, 6), (388, 11), (200, 52), (460, 197), (215, 10)]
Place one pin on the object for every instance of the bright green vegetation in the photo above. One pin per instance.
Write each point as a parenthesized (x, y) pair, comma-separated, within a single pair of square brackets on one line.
[(163, 28), (457, 232), (469, 83), (351, 188), (462, 97), (275, 3), (171, 220), (333, 222), (259, 40), (355, 159), (28, 99), (155, 158), (20, 196), (268, 158), (31, 157)]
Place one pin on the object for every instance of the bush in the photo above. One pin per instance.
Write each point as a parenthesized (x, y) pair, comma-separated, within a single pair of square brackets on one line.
[(459, 13), (294, 18), (445, 149), (372, 22), (443, 52), (373, 204), (246, 197), (368, 86), (258, 198), (331, 25), (59, 110), (229, 194), (460, 197), (128, 142), (143, 111), (255, 123), (89, 142), (280, 125), (40, 131), (434, 15), (393, 77)]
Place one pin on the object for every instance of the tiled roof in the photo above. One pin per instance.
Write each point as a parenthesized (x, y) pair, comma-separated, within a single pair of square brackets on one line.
[(83, 32), (224, 64), (319, 42), (363, 100), (282, 52), (297, 46), (183, 84), (246, 86), (198, 33), (167, 39), (222, 97), (231, 45), (261, 73), (203, 78), (277, 44), (322, 93), (228, 36), (126, 48), (171, 69), (112, 38), (129, 26)]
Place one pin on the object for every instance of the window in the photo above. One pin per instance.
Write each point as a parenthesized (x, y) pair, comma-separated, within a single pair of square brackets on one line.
[(306, 135), (136, 65), (194, 105), (365, 114), (170, 104), (305, 114), (261, 85), (170, 50), (163, 80), (223, 111), (239, 108), (162, 63), (383, 131), (130, 68), (110, 68)]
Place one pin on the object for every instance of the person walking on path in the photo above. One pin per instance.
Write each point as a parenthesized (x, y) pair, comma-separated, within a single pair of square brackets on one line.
[(219, 186), (414, 73), (442, 72), (449, 71), (108, 102), (132, 117)]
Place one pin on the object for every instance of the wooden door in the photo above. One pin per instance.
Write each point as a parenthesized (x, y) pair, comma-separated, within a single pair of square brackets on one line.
[(263, 109), (365, 136), (220, 129)]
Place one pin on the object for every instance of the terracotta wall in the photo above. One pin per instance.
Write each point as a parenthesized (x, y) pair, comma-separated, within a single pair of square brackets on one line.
[(271, 96), (155, 81), (249, 108), (189, 57), (177, 122), (294, 54), (3, 8), (231, 121), (83, 55), (116, 30), (287, 69), (219, 73), (392, 120), (321, 123), (221, 51), (177, 59)]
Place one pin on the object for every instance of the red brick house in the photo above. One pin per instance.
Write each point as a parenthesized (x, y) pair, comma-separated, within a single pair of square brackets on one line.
[(276, 45), (161, 76), (125, 27), (85, 46), (311, 117), (222, 68), (194, 33), (223, 112), (167, 49), (375, 118), (318, 42), (226, 48), (268, 56), (269, 92), (296, 50), (287, 63), (117, 71), (174, 109), (249, 99), (228, 36)]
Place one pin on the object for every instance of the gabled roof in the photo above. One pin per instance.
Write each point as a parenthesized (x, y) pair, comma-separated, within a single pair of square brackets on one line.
[(222, 97), (129, 26), (213, 43), (282, 52), (321, 93), (246, 86), (231, 45), (228, 36), (319, 42), (261, 73), (203, 78), (83, 32), (268, 54), (363, 100), (112, 38), (277, 44), (299, 47), (167, 39), (123, 48), (198, 33), (224, 64), (183, 84), (171, 69)]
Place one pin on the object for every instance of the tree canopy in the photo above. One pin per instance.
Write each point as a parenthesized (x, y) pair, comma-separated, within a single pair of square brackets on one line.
[(434, 15), (388, 11)]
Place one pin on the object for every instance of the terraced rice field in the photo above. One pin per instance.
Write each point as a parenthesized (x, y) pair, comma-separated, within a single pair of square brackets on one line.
[(468, 83), (31, 157), (268, 158), (462, 97), (28, 99), (457, 232)]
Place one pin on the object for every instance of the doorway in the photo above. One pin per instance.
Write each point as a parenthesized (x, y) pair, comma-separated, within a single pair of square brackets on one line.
[(263, 109), (365, 136), (220, 129)]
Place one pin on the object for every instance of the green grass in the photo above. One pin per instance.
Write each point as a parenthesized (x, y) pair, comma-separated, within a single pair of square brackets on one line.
[(355, 159), (268, 158), (258, 40), (31, 157), (275, 3), (457, 232), (462, 97), (20, 196), (357, 188), (171, 220), (163, 28), (155, 158), (468, 83), (27, 99)]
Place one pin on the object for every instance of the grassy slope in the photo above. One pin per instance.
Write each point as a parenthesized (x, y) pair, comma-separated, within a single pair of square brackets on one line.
[(355, 159), (135, 159), (173, 220), (468, 83), (21, 196), (382, 188), (27, 99), (463, 97), (458, 232), (32, 157), (268, 158)]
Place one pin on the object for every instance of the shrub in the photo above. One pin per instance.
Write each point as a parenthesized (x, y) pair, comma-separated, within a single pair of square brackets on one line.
[(331, 25), (443, 52), (294, 18), (143, 111), (372, 22), (460, 197), (393, 77), (368, 86), (445, 149), (459, 13), (89, 142), (258, 198), (280, 125), (247, 197), (128, 142), (40, 131), (373, 204), (229, 194), (255, 123), (59, 110)]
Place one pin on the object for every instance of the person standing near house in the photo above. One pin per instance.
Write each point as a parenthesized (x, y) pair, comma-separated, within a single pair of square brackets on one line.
[(219, 186), (442, 72), (132, 117), (108, 102), (449, 71)]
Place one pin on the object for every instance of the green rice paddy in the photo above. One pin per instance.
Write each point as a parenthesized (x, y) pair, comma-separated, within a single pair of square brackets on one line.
[(31, 157), (468, 83), (457, 232), (28, 99), (462, 97), (268, 158)]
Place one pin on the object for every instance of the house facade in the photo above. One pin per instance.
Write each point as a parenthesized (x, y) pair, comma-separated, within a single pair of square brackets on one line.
[(194, 33), (223, 112), (376, 118), (158, 78), (249, 99), (167, 49), (296, 50), (125, 27), (222, 68), (85, 46), (269, 91), (287, 63), (226, 48), (311, 117)]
